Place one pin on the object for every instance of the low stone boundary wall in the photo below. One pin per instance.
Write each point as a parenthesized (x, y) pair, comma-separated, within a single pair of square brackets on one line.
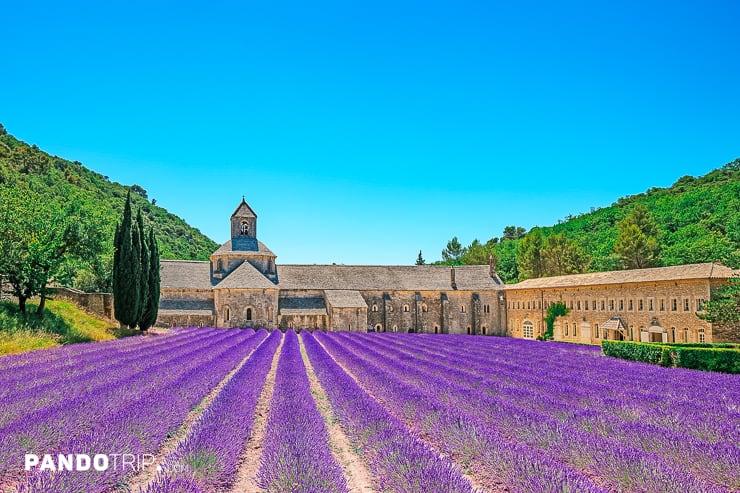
[(100, 304)]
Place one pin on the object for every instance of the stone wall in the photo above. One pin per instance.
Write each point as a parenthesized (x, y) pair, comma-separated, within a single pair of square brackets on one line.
[(645, 308), (450, 312), (246, 307), (100, 304)]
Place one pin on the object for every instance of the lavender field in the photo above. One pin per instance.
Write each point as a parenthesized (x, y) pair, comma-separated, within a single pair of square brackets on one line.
[(221, 410)]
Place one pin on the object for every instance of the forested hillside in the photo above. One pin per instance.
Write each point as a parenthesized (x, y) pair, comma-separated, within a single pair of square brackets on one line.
[(31, 178), (696, 220)]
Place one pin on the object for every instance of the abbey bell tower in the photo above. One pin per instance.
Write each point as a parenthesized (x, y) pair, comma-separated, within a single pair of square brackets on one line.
[(244, 228)]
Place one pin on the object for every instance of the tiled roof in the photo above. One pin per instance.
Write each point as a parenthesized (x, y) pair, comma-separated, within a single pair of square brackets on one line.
[(243, 210), (226, 249), (672, 273), (246, 276), (186, 312), (301, 306), (385, 277), (345, 299), (185, 274)]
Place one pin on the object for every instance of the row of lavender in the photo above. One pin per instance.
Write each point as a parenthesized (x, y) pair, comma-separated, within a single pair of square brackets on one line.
[(125, 404), (398, 460), (208, 458), (545, 430), (296, 455)]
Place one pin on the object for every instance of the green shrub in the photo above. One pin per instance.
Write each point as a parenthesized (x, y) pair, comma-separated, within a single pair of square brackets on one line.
[(724, 358), (634, 351), (709, 359)]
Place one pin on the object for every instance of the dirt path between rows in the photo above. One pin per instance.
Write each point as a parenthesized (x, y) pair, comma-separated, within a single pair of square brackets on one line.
[(141, 480), (249, 463), (476, 484), (355, 471)]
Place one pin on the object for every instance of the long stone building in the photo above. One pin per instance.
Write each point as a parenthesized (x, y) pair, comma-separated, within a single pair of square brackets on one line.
[(243, 286)]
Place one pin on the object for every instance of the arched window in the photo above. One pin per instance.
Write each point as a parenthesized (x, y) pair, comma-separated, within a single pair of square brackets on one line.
[(436, 329), (528, 330), (379, 328), (469, 330), (596, 330), (375, 307), (424, 308), (483, 330), (244, 229), (227, 314), (567, 327), (395, 328), (405, 308), (462, 309), (249, 314), (575, 330), (219, 265)]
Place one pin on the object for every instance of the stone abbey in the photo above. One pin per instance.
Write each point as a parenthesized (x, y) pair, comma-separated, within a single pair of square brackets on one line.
[(243, 286)]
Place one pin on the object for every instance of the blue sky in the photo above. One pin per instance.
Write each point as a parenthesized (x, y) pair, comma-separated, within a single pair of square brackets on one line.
[(364, 132)]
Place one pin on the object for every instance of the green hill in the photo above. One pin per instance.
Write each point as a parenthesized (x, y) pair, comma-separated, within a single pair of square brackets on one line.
[(698, 220), (54, 179)]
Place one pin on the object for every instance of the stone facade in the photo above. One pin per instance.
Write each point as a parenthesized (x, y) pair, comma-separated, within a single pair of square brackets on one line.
[(242, 286), (648, 305)]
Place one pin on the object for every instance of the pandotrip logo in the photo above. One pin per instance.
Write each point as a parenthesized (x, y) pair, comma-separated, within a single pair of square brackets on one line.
[(85, 462)]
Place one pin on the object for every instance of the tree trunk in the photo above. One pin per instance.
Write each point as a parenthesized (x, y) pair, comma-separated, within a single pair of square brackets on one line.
[(42, 304), (22, 304)]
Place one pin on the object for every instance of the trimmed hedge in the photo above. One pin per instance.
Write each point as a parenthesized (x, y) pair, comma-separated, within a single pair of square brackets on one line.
[(719, 358), (709, 359)]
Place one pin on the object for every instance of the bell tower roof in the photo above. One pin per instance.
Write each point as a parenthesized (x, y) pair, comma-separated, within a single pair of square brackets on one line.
[(243, 210)]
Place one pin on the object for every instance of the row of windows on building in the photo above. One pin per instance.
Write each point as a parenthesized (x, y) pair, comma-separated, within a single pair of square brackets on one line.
[(570, 329), (641, 304), (394, 328), (406, 308)]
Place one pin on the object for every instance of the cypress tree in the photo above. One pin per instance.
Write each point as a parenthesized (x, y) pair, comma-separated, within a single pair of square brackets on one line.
[(143, 267), (127, 270), (152, 305)]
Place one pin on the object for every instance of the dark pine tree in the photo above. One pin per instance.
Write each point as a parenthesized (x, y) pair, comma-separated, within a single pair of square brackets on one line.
[(127, 270), (143, 267), (151, 307)]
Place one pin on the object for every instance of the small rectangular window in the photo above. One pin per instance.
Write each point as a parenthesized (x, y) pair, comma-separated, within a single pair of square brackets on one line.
[(603, 305), (662, 305), (611, 305), (630, 306), (593, 305), (579, 304), (621, 305), (650, 305), (640, 305), (674, 305), (686, 305)]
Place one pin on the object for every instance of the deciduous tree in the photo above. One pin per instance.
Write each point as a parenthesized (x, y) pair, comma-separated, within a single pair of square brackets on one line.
[(637, 244)]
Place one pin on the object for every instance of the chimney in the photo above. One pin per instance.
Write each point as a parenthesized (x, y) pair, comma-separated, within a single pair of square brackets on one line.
[(452, 278), (491, 266)]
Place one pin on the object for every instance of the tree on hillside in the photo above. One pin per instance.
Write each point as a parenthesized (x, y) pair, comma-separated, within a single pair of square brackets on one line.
[(637, 244), (563, 256), (453, 250), (513, 233), (530, 259), (38, 238), (420, 260), (724, 307)]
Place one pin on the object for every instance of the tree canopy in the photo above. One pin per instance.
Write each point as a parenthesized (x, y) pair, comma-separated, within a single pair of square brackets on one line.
[(695, 220)]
